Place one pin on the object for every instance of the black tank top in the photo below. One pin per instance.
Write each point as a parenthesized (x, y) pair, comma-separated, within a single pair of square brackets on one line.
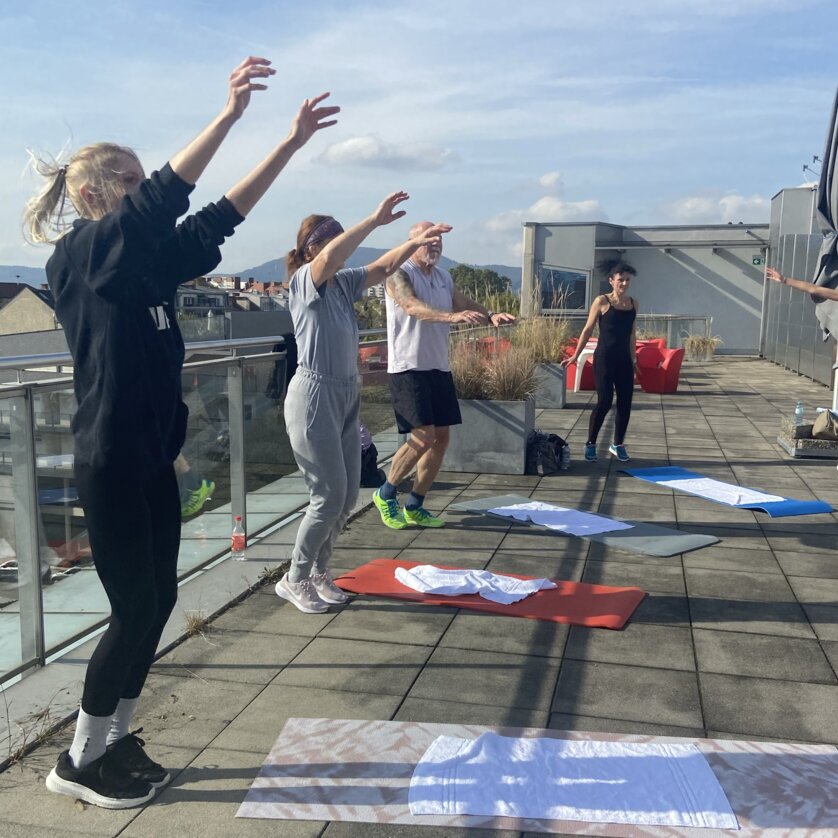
[(615, 327)]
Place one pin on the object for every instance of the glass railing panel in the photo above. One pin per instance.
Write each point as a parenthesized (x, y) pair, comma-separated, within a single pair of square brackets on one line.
[(203, 466), (273, 485)]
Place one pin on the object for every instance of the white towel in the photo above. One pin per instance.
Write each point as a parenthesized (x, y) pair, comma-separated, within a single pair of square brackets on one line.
[(577, 780), (571, 521), (728, 493), (505, 590)]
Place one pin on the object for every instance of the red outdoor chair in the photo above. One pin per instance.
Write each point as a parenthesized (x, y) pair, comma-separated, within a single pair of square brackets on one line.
[(659, 370)]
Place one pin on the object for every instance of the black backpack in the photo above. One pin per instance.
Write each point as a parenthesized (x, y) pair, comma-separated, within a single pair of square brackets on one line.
[(371, 475), (544, 453)]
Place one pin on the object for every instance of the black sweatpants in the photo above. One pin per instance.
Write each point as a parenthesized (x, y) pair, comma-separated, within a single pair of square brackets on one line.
[(134, 529), (612, 374)]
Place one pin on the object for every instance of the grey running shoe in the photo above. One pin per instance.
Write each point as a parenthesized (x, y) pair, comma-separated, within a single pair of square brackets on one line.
[(327, 590), (302, 595)]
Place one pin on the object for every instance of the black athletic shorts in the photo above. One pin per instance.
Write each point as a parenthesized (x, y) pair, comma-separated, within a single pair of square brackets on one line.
[(424, 397)]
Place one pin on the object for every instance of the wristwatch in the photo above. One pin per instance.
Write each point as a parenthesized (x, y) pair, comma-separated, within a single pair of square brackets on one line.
[(490, 315)]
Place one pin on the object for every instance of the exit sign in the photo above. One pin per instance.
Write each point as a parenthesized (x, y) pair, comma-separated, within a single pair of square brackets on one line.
[(757, 260)]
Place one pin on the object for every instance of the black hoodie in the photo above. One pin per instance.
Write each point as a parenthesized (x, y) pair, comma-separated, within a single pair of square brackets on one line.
[(114, 283)]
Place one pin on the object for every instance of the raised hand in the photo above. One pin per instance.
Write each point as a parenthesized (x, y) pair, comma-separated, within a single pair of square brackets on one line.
[(385, 213), (433, 235), (241, 84), (310, 119)]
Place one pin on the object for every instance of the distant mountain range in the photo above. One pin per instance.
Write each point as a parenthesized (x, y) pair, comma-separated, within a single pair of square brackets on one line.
[(273, 271)]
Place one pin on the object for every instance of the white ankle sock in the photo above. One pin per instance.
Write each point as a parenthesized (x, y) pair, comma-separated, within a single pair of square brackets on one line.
[(121, 720), (89, 739)]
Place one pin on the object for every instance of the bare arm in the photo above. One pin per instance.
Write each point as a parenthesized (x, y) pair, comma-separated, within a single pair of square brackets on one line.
[(400, 288), (381, 268), (633, 339), (462, 302), (331, 258), (593, 315), (810, 287), (189, 163), (309, 119)]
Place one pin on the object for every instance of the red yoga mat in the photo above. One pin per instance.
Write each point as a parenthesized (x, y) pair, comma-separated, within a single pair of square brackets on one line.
[(577, 603)]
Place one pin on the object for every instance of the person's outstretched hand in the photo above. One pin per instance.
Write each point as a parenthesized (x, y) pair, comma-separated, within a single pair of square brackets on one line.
[(432, 236), (501, 318), (774, 276), (385, 213), (310, 119), (241, 84), (473, 318), (567, 362)]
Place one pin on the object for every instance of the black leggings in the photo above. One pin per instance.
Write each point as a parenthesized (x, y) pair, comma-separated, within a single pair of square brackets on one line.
[(134, 530), (611, 375)]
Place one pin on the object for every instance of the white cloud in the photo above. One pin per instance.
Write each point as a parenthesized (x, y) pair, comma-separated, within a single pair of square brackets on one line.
[(546, 209), (703, 209), (552, 181), (374, 152)]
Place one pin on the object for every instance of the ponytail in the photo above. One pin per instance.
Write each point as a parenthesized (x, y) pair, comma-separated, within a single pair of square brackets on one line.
[(45, 215), (297, 257)]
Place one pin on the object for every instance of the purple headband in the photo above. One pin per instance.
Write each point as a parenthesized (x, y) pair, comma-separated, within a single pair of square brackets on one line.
[(326, 229)]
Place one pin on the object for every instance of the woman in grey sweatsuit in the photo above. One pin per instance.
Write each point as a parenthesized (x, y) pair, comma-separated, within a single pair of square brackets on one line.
[(321, 408)]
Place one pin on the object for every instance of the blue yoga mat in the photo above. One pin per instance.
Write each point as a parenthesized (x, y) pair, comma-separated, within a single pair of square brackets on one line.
[(775, 509)]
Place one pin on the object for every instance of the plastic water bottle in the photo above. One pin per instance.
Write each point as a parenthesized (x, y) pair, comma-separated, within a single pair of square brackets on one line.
[(798, 414), (565, 463), (238, 540)]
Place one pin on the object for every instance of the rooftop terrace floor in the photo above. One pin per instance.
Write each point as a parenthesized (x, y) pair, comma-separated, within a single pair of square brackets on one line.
[(736, 640)]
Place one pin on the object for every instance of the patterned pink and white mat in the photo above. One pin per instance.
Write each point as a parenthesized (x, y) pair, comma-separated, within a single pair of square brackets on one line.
[(349, 770)]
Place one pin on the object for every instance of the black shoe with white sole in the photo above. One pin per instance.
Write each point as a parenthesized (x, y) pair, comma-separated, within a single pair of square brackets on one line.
[(130, 755), (103, 783)]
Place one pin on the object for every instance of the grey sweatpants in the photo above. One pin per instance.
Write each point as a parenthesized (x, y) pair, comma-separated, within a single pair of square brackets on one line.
[(321, 416)]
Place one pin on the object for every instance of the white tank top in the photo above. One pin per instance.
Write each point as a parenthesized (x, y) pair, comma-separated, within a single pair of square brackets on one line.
[(414, 344)]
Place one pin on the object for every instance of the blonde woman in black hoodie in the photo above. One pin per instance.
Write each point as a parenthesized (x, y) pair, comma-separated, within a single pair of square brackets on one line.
[(113, 275)]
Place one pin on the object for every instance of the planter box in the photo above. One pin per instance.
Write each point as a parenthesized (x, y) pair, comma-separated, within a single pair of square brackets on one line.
[(492, 438), (552, 386)]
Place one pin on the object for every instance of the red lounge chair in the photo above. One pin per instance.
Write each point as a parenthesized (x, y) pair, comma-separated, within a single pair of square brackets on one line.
[(659, 370)]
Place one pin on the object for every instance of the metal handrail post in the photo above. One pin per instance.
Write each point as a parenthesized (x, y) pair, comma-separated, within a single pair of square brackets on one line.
[(235, 396)]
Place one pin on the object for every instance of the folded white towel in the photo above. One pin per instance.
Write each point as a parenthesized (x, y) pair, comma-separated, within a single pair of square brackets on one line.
[(428, 579), (571, 521), (577, 780), (728, 493)]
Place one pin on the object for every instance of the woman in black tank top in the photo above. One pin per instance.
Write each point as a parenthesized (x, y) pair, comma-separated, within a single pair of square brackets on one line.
[(614, 357)]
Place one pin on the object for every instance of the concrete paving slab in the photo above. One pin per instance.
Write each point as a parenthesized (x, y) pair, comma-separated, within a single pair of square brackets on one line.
[(356, 666), (757, 706), (734, 584), (475, 677), (664, 647), (204, 799), (720, 557), (189, 712), (662, 609), (659, 577), (264, 612), (819, 566), (754, 655), (565, 721), (457, 712), (630, 693), (784, 619), (259, 724), (375, 618), (230, 655), (496, 633)]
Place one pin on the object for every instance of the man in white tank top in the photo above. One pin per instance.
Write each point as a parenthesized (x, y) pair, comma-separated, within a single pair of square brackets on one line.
[(422, 303)]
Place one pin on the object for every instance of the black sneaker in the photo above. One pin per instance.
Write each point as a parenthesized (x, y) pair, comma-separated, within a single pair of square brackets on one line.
[(103, 783), (130, 755)]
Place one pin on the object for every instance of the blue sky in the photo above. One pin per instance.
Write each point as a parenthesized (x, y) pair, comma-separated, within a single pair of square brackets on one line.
[(488, 112)]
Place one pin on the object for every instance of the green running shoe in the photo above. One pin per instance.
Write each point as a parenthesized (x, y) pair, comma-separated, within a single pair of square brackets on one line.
[(391, 515), (420, 517), (193, 502)]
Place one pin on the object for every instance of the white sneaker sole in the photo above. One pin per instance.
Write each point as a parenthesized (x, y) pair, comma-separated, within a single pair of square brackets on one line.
[(60, 786), (289, 597)]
